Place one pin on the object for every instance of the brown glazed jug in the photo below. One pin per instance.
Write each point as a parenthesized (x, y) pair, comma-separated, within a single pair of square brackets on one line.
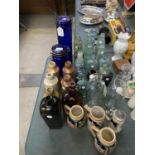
[(68, 69), (71, 96), (65, 82), (53, 68)]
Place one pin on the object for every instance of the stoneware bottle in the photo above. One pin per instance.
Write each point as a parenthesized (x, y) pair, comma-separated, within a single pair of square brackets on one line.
[(53, 68), (68, 69), (65, 82), (51, 84), (105, 139)]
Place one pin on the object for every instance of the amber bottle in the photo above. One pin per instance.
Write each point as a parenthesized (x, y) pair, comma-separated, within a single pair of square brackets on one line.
[(68, 69), (71, 96)]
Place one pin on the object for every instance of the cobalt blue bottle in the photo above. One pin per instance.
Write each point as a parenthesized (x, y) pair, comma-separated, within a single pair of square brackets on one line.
[(64, 32), (60, 56)]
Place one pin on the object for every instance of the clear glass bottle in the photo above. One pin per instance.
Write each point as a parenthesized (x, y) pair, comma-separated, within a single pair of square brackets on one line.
[(78, 46), (101, 42), (82, 87), (92, 87), (71, 96), (79, 62)]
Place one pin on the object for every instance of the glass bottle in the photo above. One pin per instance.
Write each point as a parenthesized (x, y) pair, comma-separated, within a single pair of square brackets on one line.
[(82, 87), (105, 69), (51, 111), (53, 68), (68, 69), (71, 96), (60, 56), (101, 42), (92, 94), (78, 46), (64, 32)]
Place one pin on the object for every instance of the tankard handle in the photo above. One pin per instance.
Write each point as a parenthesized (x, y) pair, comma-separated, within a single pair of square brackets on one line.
[(67, 109), (86, 107), (94, 129)]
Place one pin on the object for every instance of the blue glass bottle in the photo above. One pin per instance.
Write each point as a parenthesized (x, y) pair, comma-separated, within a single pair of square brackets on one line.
[(64, 32), (59, 55)]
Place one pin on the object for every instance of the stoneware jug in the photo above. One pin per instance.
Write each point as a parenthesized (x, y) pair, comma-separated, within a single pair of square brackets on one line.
[(120, 46), (75, 116), (105, 139), (53, 68)]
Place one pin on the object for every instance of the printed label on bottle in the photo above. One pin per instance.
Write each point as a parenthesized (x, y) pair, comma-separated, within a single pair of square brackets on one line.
[(60, 32)]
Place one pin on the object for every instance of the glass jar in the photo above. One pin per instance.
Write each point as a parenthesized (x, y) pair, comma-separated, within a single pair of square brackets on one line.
[(64, 32), (60, 56), (71, 96)]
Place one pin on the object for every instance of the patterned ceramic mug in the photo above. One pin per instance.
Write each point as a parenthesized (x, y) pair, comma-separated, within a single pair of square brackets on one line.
[(105, 139), (96, 116), (76, 118)]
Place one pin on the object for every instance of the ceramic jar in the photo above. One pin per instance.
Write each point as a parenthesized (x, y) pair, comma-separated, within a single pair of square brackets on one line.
[(96, 116), (53, 68), (68, 69), (105, 139), (75, 116), (51, 84), (65, 82), (51, 111), (121, 45), (117, 120)]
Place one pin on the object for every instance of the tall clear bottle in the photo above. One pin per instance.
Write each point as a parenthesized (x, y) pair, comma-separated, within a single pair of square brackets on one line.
[(92, 94)]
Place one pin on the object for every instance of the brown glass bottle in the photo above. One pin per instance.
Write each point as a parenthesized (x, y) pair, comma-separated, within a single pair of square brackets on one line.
[(53, 68), (71, 96), (65, 82), (68, 69)]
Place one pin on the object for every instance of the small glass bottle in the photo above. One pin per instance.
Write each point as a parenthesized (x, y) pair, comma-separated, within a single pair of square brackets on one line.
[(92, 93), (82, 87), (65, 82), (51, 111), (78, 46), (53, 68), (101, 42), (68, 69), (71, 96)]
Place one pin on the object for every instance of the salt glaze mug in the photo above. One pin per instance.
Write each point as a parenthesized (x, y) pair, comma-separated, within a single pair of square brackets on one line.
[(96, 116), (75, 116), (117, 121), (105, 139)]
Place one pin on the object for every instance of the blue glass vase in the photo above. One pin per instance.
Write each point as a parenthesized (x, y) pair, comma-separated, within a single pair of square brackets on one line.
[(59, 56), (64, 32)]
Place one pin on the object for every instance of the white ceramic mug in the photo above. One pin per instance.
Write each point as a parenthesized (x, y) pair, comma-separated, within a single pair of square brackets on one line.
[(76, 118), (96, 116), (105, 139)]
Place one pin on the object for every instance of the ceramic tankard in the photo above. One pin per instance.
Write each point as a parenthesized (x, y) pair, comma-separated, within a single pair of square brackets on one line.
[(75, 116), (96, 116), (105, 139)]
